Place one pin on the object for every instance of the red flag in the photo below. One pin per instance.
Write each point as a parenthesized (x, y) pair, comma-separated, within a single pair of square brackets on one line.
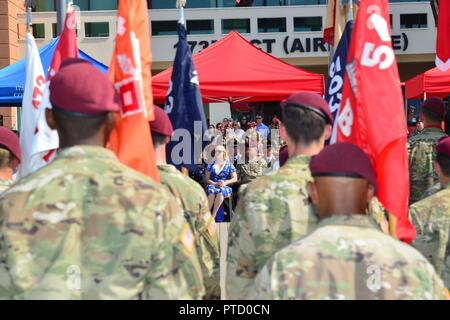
[(130, 71), (67, 44), (372, 114), (443, 36)]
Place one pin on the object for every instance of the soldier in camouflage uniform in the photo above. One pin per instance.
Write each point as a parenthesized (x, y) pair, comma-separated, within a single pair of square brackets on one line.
[(192, 199), (10, 156), (421, 149), (347, 256), (274, 210), (86, 226), (431, 217)]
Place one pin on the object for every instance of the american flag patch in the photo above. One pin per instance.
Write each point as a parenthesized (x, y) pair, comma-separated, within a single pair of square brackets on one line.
[(187, 238)]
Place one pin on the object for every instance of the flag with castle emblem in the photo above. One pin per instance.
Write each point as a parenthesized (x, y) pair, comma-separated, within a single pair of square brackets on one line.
[(372, 99)]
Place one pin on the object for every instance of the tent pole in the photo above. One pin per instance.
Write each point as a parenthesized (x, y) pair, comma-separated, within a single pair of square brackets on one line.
[(60, 14)]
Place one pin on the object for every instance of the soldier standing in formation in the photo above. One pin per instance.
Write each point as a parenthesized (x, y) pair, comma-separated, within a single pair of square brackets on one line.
[(347, 256), (86, 226), (192, 199), (274, 210), (431, 217), (421, 149), (10, 156)]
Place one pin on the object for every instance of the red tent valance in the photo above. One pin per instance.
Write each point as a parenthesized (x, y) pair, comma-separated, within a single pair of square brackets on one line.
[(234, 70), (433, 83)]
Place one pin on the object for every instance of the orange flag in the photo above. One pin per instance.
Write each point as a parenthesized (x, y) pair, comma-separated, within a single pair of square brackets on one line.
[(130, 71)]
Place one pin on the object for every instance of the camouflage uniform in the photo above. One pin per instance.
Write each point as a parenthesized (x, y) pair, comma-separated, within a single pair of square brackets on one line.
[(192, 199), (422, 152), (347, 257), (4, 184), (431, 217), (88, 227), (249, 171), (272, 212)]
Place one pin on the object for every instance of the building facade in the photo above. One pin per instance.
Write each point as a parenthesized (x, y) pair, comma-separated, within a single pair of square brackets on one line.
[(288, 29)]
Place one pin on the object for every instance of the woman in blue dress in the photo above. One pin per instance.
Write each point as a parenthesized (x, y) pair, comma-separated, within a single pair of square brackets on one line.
[(219, 175)]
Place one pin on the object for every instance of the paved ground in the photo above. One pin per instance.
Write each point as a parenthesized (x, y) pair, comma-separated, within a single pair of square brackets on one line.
[(223, 241)]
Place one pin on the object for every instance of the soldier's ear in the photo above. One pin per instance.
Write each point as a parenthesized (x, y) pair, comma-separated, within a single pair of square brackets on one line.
[(313, 194), (437, 168), (49, 117), (370, 193), (283, 133), (109, 124), (327, 132)]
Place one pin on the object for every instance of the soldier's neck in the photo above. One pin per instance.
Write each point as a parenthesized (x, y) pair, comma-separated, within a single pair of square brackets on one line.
[(160, 154), (302, 150), (6, 173), (444, 181)]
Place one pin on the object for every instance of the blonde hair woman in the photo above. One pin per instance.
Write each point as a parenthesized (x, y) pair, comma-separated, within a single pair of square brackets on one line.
[(219, 175)]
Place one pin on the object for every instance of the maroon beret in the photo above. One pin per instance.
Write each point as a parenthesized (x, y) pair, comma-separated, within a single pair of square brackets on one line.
[(79, 88), (434, 105), (9, 140), (343, 160), (311, 101), (283, 155), (443, 146), (161, 124)]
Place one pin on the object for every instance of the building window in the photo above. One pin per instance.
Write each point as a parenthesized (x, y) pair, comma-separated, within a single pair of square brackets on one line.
[(54, 30), (44, 6), (306, 24), (271, 25), (239, 25), (39, 30), (96, 29), (96, 5), (413, 21), (164, 28), (200, 26)]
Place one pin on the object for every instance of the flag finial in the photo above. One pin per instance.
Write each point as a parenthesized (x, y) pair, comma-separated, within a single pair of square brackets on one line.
[(181, 3)]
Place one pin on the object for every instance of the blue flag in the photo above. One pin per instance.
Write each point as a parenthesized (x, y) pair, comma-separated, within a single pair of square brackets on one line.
[(184, 106), (333, 93)]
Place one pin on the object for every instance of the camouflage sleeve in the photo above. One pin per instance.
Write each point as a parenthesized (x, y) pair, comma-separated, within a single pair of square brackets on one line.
[(241, 247), (208, 248), (432, 238), (378, 213), (178, 273), (6, 283)]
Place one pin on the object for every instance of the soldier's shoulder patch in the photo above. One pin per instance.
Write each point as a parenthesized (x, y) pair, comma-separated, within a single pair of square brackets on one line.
[(187, 238), (212, 227)]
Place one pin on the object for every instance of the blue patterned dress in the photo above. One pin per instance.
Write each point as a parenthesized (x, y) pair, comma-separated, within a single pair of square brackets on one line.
[(216, 176)]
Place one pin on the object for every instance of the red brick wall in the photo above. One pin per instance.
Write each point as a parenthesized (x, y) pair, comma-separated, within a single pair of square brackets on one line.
[(9, 46)]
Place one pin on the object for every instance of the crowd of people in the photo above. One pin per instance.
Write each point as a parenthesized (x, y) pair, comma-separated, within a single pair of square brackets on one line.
[(88, 227)]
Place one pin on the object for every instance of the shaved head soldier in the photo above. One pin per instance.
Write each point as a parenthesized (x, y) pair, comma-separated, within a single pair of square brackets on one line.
[(347, 256), (274, 210), (86, 226)]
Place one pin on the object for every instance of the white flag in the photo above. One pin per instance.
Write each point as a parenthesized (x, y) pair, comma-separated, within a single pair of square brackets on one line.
[(36, 138)]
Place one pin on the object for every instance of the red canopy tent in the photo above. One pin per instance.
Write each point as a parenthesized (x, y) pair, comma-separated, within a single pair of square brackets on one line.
[(432, 83), (233, 70)]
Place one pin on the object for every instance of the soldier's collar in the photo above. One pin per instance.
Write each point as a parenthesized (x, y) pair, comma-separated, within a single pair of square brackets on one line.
[(299, 159), (167, 168), (88, 152), (357, 220)]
